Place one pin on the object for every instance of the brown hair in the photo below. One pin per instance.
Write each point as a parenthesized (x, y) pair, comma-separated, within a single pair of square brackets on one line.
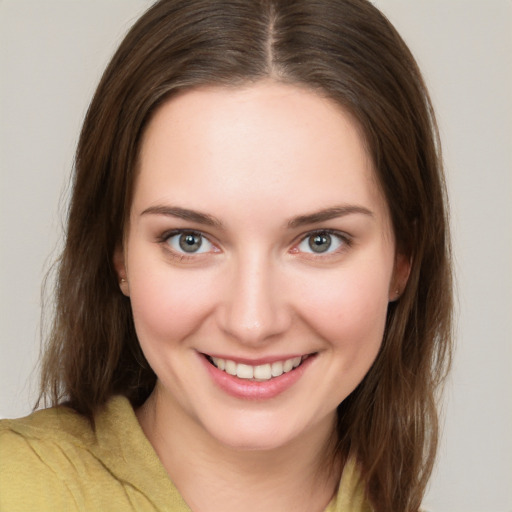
[(348, 51)]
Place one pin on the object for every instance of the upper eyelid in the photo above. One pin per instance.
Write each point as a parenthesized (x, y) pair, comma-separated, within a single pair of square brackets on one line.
[(341, 234), (297, 240), (345, 239), (166, 235), (179, 231)]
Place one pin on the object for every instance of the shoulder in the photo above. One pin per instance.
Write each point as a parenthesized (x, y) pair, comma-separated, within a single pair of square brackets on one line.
[(55, 460), (33, 461), (56, 424), (44, 434)]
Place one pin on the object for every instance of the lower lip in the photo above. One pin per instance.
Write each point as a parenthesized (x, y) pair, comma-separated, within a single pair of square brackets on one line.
[(256, 390)]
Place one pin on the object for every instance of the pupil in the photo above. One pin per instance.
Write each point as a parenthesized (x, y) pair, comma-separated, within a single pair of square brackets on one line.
[(190, 242), (320, 243)]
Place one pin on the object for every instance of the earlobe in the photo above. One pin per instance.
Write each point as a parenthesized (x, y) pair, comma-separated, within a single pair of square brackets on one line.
[(120, 267), (401, 273)]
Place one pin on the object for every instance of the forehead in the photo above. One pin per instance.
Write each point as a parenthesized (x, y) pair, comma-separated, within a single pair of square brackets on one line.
[(259, 144)]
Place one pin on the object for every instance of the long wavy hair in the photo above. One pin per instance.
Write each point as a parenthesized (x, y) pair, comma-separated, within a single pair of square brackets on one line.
[(345, 50)]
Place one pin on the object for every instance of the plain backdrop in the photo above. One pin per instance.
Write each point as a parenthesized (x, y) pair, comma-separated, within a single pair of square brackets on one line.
[(52, 53)]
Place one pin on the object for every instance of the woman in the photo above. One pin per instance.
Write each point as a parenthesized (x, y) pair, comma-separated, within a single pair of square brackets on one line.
[(255, 288)]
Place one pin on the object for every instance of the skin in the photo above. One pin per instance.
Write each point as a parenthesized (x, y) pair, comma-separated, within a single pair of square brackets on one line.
[(258, 160)]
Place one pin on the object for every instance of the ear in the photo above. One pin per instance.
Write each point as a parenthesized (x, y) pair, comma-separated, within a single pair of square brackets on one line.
[(401, 273), (120, 267)]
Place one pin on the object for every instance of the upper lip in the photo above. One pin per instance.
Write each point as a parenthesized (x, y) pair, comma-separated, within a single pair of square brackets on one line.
[(258, 361)]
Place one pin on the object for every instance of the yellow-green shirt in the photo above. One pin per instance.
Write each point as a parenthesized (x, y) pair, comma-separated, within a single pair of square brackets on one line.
[(54, 461)]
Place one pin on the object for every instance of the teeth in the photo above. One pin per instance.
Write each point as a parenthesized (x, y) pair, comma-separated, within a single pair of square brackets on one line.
[(230, 367), (261, 372), (219, 363), (287, 365), (277, 369), (244, 371)]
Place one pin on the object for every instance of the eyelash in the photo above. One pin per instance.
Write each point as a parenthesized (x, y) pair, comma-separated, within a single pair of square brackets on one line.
[(182, 256), (344, 240)]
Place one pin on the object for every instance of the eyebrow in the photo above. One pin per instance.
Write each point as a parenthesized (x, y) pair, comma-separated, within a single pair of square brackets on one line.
[(184, 213), (327, 214), (301, 220)]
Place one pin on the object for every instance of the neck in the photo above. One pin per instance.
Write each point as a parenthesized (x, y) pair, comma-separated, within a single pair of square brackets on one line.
[(298, 476)]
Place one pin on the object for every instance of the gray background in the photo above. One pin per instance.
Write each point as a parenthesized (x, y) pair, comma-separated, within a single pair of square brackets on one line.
[(51, 55)]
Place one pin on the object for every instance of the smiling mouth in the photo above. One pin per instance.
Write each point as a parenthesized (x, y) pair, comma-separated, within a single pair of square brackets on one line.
[(259, 373)]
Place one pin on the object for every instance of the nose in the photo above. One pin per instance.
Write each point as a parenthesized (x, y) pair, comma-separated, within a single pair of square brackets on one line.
[(254, 308)]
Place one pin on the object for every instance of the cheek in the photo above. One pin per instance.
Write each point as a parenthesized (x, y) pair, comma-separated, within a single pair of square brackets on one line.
[(167, 306), (348, 309)]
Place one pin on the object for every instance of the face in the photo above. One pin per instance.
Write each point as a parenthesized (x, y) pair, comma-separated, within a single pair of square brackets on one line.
[(259, 260)]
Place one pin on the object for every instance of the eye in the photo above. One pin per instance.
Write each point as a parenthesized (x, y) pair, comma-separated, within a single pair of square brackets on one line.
[(189, 242), (322, 242)]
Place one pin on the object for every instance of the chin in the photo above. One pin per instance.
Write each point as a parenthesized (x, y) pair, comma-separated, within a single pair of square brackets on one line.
[(251, 434), (266, 431)]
